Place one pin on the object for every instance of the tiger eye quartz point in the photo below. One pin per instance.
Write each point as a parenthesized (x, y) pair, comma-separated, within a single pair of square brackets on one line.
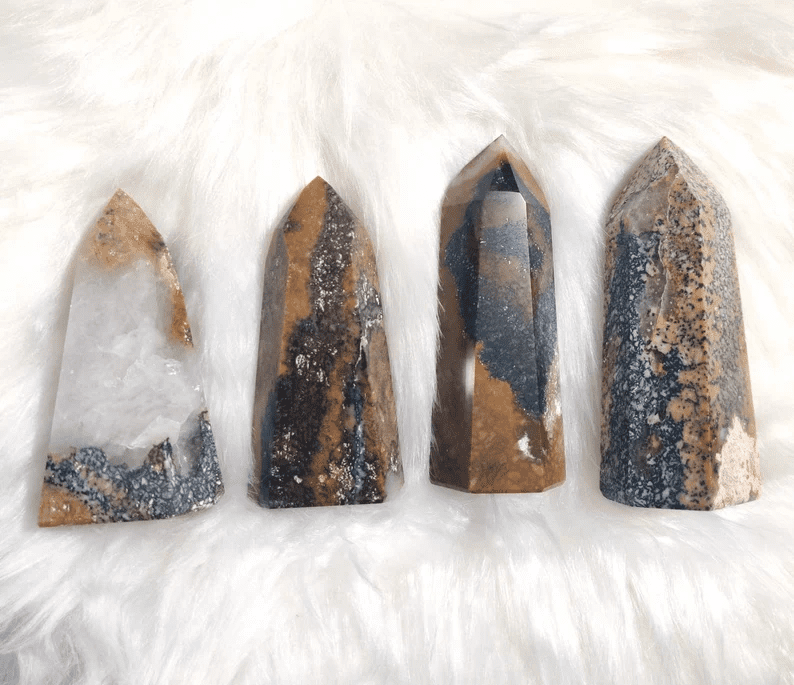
[(678, 427), (497, 422), (325, 425), (131, 438)]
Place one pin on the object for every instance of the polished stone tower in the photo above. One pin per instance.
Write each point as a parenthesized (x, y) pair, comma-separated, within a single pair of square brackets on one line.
[(131, 438), (325, 425), (497, 422), (678, 428)]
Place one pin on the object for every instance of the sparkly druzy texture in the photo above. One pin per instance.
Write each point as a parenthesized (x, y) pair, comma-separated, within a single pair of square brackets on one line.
[(131, 438), (497, 424), (325, 427), (678, 427)]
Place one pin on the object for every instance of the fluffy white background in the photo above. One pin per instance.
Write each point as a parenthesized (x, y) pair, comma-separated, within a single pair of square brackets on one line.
[(213, 116)]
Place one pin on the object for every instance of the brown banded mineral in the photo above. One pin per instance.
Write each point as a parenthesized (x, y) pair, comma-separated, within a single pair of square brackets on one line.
[(131, 438), (497, 423), (325, 427), (678, 428)]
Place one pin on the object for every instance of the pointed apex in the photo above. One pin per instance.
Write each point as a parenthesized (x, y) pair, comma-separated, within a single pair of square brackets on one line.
[(665, 154), (500, 144), (667, 146), (500, 147), (124, 233), (122, 201), (313, 191), (318, 181), (496, 168), (663, 163)]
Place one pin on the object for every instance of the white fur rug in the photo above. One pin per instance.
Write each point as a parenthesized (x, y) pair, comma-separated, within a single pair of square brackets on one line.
[(213, 116)]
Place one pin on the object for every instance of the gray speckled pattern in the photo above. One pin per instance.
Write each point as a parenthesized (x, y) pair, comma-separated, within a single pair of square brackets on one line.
[(678, 427), (85, 485)]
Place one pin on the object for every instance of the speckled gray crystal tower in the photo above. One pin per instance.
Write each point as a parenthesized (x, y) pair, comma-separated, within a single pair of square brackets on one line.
[(497, 423), (325, 425), (131, 438), (678, 428)]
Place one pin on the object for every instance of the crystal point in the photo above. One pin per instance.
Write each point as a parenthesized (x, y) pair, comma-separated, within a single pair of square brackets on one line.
[(497, 423), (678, 427), (325, 426), (131, 438)]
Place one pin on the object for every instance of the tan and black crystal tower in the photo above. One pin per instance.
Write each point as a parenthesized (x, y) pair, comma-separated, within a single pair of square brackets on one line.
[(325, 426), (678, 427), (497, 421)]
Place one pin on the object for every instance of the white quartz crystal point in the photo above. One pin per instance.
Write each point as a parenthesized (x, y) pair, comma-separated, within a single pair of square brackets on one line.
[(130, 435)]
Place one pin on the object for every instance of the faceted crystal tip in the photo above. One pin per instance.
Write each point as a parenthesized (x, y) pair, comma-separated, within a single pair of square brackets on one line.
[(325, 427), (500, 145), (123, 235), (129, 389), (497, 424), (678, 427)]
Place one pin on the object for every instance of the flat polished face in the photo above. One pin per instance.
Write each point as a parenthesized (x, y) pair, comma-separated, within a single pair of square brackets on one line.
[(131, 438), (325, 426), (678, 427), (497, 424)]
